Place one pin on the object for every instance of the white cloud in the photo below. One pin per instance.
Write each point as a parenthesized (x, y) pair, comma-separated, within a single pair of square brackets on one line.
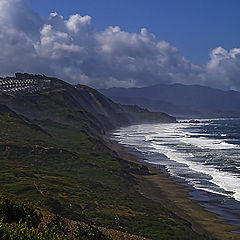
[(75, 51), (224, 68), (56, 45), (77, 23)]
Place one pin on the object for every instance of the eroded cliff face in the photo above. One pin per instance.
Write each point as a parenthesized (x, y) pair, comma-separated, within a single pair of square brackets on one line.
[(79, 105)]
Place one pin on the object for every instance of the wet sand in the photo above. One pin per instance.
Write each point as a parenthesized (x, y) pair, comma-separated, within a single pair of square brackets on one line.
[(162, 188)]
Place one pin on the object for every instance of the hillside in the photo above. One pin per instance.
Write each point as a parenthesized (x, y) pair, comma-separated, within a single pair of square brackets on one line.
[(51, 158), (76, 105), (180, 100)]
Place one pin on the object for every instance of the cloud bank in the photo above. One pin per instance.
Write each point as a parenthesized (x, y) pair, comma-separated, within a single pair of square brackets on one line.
[(74, 50)]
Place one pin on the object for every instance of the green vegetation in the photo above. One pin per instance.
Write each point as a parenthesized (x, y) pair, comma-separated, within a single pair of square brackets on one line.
[(18, 221), (61, 169)]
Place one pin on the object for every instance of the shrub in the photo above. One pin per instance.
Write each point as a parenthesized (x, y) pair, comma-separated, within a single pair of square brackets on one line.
[(11, 212)]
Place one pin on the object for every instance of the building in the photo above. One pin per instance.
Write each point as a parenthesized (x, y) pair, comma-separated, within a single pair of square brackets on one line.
[(24, 84)]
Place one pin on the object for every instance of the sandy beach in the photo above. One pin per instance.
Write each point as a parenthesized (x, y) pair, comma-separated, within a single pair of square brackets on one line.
[(161, 187)]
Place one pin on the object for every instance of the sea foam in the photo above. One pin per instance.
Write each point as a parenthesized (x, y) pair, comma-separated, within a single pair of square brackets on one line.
[(193, 152)]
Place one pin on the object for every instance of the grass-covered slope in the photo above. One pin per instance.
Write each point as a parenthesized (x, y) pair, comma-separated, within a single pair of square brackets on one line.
[(60, 169)]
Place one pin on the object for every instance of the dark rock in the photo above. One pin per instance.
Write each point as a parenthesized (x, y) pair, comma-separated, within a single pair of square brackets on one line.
[(193, 121)]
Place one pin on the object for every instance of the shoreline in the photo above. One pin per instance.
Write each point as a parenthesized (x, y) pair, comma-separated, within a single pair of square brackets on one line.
[(174, 195)]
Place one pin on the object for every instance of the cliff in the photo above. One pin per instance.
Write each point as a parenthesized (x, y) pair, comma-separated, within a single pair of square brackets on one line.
[(79, 105), (53, 157)]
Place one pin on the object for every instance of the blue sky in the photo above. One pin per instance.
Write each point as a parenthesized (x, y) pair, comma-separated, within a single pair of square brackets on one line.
[(117, 43), (194, 26)]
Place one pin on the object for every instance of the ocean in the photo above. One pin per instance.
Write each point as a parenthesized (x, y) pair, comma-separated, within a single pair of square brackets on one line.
[(205, 156)]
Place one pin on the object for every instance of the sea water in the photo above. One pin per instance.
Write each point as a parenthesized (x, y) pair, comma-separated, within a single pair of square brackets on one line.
[(205, 156)]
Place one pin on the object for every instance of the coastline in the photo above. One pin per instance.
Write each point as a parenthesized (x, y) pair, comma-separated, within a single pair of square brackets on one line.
[(172, 194)]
